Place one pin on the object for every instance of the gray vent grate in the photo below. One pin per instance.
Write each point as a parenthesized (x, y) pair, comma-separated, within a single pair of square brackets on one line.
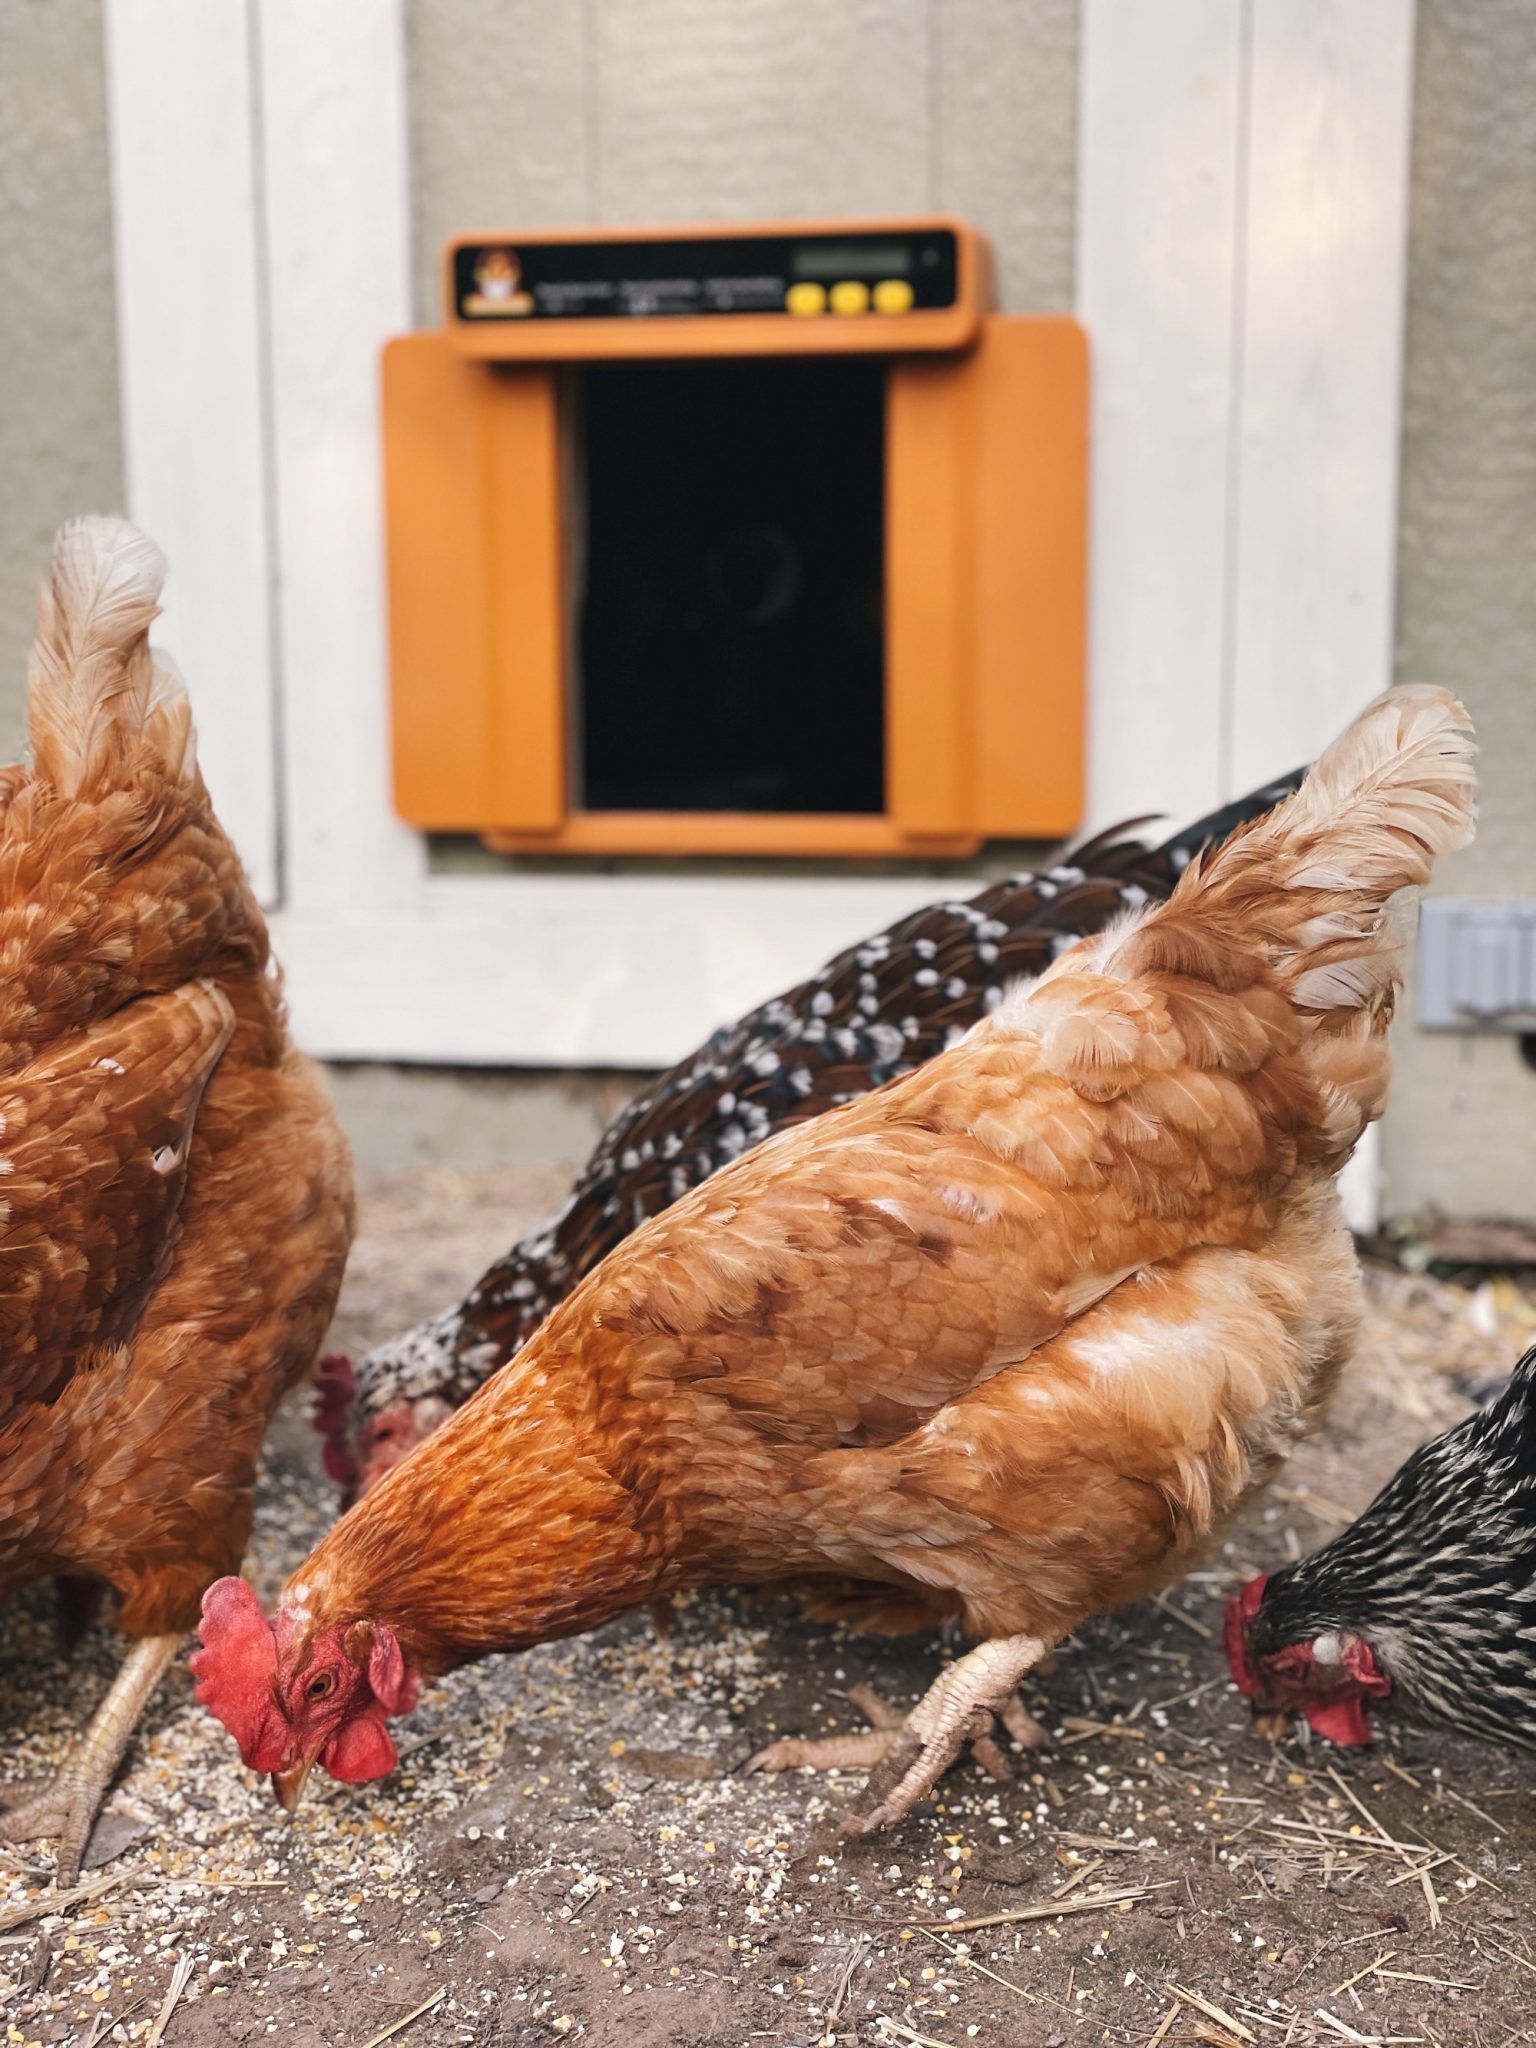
[(1477, 964)]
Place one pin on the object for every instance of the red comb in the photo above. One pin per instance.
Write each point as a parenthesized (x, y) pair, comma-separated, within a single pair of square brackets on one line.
[(335, 1389), (1240, 1611), (236, 1669)]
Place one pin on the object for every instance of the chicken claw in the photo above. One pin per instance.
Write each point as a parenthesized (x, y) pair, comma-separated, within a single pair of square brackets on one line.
[(907, 1757), (838, 1752), (67, 1807)]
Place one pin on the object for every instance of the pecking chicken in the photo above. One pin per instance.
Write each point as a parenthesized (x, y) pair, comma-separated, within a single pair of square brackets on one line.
[(1004, 1340), (1429, 1599), (875, 1012), (178, 1198)]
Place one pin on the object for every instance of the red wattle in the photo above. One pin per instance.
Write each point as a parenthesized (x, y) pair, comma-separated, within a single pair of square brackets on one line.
[(1342, 1721), (361, 1748), (1241, 1609)]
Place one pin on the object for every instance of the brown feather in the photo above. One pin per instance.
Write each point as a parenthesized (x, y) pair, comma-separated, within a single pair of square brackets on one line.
[(177, 1196)]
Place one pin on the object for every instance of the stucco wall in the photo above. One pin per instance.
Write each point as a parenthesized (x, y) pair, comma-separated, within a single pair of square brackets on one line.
[(1462, 1131), (59, 446), (526, 114)]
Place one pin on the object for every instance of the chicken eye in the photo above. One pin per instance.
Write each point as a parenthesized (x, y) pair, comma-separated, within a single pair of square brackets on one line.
[(321, 1687)]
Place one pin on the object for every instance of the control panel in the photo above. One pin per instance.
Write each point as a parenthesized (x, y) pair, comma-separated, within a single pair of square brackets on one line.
[(718, 277), (880, 287)]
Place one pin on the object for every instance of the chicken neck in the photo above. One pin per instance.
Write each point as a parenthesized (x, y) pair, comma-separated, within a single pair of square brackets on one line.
[(490, 1538)]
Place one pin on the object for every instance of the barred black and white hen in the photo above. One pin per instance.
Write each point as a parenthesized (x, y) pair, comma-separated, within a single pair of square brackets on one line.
[(1428, 1600), (878, 1010)]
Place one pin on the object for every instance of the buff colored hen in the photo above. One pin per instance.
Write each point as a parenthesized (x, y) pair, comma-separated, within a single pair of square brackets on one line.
[(1004, 1340)]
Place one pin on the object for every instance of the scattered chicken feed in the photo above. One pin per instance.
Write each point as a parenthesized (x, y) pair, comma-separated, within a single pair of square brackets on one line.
[(568, 1852)]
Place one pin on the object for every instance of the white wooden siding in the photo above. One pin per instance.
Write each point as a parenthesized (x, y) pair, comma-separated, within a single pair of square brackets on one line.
[(1242, 240), (1241, 171), (337, 199), (1324, 273), (1160, 198), (187, 204), (1242, 247)]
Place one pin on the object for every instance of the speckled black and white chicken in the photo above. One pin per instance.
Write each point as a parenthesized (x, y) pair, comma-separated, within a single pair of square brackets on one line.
[(878, 1010), (1428, 1601)]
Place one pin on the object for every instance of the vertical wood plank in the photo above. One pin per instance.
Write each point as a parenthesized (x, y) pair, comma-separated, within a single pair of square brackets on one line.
[(190, 325), (1159, 198), (472, 502), (1314, 510), (1029, 572), (332, 82), (762, 109), (930, 550), (1004, 101), (1315, 513)]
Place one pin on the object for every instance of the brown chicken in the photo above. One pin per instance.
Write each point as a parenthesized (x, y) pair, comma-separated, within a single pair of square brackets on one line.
[(1004, 1340), (178, 1200)]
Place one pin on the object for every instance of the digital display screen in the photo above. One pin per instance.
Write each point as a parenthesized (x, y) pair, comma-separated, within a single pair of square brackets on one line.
[(825, 261), (712, 275)]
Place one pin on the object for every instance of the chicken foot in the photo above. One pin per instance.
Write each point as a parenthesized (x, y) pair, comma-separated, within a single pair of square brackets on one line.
[(67, 1807), (907, 1756), (863, 1752)]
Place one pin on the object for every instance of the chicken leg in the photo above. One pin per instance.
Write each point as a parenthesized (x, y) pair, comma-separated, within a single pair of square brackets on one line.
[(908, 1757), (67, 1808)]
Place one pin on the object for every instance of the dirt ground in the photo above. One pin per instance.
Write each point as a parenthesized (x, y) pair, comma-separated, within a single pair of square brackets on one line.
[(569, 1852)]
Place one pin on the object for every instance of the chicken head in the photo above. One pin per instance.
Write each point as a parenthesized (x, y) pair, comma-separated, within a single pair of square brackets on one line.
[(293, 1698), (361, 1445), (1327, 1677)]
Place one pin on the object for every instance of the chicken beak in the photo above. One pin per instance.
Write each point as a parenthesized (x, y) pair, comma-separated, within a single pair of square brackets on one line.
[(1274, 1724), (288, 1786)]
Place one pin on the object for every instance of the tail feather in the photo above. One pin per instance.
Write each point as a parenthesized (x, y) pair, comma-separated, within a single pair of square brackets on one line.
[(96, 694), (1276, 941), (1394, 791), (1306, 887)]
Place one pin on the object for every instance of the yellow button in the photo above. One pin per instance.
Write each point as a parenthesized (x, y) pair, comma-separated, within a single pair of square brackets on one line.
[(806, 298), (850, 297), (893, 295)]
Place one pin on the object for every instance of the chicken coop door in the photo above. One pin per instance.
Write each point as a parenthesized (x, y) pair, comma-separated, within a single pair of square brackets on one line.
[(768, 543), (730, 636)]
